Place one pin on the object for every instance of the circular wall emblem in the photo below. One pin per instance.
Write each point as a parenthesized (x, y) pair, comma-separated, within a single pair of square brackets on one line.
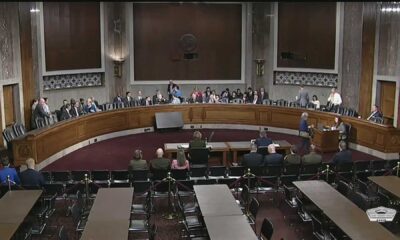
[(188, 42)]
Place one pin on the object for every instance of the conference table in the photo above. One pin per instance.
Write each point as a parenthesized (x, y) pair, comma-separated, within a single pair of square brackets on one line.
[(223, 217), (389, 183), (241, 146), (345, 214), (171, 148), (14, 207), (110, 215), (52, 142)]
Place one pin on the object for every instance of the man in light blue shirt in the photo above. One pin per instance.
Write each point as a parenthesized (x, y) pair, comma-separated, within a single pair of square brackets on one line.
[(7, 171)]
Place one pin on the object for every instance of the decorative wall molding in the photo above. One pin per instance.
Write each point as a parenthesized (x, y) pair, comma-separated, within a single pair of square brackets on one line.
[(306, 78), (72, 81)]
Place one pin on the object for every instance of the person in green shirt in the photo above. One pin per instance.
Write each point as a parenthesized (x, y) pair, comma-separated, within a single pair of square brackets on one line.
[(160, 163), (138, 163)]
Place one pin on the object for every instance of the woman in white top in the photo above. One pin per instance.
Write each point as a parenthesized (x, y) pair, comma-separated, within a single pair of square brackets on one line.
[(316, 102)]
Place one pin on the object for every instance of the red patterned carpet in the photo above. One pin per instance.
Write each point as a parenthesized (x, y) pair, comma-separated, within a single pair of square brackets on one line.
[(114, 154)]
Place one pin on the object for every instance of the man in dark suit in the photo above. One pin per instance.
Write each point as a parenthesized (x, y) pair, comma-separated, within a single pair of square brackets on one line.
[(76, 109), (252, 159), (158, 98), (66, 113), (128, 100), (40, 112), (343, 156), (160, 163), (139, 99), (31, 177), (263, 140), (273, 158), (170, 89), (375, 113), (312, 157)]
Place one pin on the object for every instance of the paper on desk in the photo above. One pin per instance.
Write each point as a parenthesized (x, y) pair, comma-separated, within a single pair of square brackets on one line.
[(184, 145)]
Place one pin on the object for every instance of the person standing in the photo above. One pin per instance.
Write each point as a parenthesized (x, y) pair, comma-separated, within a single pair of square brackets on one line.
[(304, 133), (334, 98), (170, 89), (302, 97), (375, 113)]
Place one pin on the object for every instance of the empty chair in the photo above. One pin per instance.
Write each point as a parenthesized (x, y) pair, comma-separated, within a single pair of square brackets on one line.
[(79, 222), (140, 225), (78, 176), (54, 188), (378, 167), (47, 176), (254, 206), (120, 184), (362, 170), (19, 129), (141, 187), (268, 102), (9, 135), (267, 229), (318, 229), (289, 196), (40, 122), (120, 176), (179, 174), (217, 172), (345, 170), (237, 171), (61, 176), (140, 175), (205, 181), (198, 172), (237, 100), (100, 175), (199, 156), (343, 187), (62, 234)]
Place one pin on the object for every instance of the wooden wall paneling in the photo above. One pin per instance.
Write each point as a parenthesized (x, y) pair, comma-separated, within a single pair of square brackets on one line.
[(72, 35), (387, 98), (43, 143), (28, 79), (367, 57), (308, 30), (9, 104), (159, 55)]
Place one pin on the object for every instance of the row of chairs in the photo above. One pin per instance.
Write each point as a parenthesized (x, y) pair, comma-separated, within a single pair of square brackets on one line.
[(14, 131)]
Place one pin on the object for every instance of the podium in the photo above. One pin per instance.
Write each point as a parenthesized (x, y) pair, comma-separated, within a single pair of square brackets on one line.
[(325, 140)]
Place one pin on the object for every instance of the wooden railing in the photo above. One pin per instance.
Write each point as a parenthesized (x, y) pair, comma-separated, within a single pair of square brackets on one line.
[(45, 142)]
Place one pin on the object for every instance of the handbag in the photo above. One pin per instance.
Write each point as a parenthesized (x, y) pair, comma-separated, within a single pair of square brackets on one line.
[(304, 134)]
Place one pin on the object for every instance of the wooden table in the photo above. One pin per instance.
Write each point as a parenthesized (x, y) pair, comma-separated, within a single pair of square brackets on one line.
[(110, 215), (235, 147), (344, 213), (229, 227), (216, 200), (325, 140), (389, 183), (14, 207), (170, 148), (222, 215)]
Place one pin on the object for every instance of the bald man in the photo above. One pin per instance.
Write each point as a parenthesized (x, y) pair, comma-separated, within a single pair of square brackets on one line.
[(31, 177), (160, 162), (273, 158)]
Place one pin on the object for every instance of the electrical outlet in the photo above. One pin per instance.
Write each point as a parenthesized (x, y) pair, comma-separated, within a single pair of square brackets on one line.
[(95, 140)]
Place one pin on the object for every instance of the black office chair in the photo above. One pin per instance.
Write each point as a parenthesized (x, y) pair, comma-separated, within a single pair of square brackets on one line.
[(120, 176), (199, 156), (262, 150), (179, 174), (61, 176), (18, 129), (217, 172), (254, 206), (198, 172), (267, 229), (62, 234), (78, 176), (100, 176), (139, 175)]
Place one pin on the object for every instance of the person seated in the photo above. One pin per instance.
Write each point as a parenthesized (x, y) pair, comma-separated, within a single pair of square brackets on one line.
[(239, 93), (293, 158), (66, 112), (118, 99), (256, 99), (263, 140), (175, 100), (128, 99), (272, 158), (138, 163), (176, 92), (334, 98), (8, 171), (343, 156), (316, 102), (158, 98), (180, 162), (139, 99), (160, 163), (252, 159), (90, 107), (39, 112), (312, 157), (197, 142), (31, 177), (147, 101), (76, 109), (375, 113), (64, 104), (263, 94), (339, 125)]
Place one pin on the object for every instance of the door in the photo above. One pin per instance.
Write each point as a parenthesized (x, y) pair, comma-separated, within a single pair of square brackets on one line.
[(387, 100)]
